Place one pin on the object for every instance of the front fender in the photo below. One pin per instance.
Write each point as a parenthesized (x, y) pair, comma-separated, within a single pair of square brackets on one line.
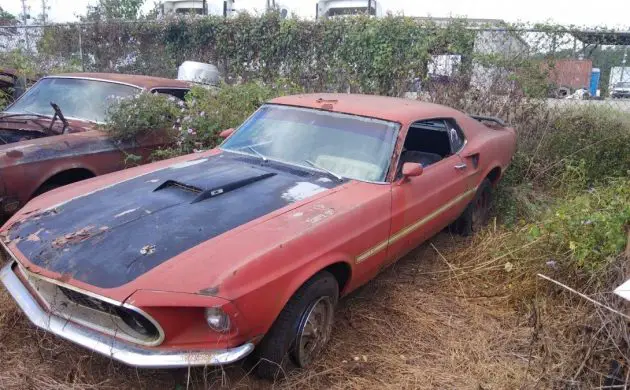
[(262, 306), (181, 316)]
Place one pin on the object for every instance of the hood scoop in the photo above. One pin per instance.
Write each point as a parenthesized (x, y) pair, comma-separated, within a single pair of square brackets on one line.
[(211, 190)]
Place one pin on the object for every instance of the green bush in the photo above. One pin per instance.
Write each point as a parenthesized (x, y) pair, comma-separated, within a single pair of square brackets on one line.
[(595, 138), (591, 228), (145, 114), (192, 124)]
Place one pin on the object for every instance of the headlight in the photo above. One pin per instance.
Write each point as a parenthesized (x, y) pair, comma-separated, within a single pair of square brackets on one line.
[(217, 319)]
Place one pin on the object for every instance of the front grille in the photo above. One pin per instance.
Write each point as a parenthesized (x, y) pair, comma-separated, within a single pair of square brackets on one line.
[(87, 301), (110, 318), (133, 319)]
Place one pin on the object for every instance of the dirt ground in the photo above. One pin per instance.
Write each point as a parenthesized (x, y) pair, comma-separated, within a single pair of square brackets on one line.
[(416, 326)]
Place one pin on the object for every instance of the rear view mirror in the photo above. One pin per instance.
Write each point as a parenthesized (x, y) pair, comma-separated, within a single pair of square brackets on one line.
[(226, 133), (412, 170)]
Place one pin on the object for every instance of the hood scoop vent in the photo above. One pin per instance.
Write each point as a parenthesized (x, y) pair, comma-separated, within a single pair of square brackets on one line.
[(178, 185), (212, 191)]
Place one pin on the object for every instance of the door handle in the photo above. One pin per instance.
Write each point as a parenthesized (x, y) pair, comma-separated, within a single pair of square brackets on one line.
[(461, 166)]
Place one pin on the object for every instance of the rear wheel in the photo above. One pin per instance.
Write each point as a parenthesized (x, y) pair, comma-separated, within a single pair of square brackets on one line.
[(301, 331), (477, 213)]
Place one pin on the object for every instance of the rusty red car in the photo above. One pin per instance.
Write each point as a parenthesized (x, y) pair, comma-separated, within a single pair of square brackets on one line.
[(49, 136), (244, 250)]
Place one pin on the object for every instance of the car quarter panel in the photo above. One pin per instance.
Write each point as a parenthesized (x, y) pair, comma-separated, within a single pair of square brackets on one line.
[(486, 148)]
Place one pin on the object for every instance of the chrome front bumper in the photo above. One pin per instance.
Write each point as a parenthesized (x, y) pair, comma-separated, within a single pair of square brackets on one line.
[(107, 345)]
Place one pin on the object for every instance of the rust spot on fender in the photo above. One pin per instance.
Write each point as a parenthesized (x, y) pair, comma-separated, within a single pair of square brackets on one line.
[(14, 154)]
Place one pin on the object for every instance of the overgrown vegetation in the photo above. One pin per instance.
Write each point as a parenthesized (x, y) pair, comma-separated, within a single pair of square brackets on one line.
[(458, 313), (145, 114), (193, 124)]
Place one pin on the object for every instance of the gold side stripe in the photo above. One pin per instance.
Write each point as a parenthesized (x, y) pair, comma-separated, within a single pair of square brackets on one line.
[(413, 227)]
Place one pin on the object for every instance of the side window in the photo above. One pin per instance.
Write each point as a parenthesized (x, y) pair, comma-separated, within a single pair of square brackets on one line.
[(179, 93), (427, 143), (455, 135)]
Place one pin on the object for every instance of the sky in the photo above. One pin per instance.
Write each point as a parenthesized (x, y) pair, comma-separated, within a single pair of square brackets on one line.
[(610, 13)]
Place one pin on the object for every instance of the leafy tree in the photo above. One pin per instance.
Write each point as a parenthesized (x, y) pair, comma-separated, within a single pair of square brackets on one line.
[(114, 9), (6, 16)]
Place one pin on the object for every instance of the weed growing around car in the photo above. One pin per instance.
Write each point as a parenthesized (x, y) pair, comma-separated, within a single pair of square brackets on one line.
[(456, 313)]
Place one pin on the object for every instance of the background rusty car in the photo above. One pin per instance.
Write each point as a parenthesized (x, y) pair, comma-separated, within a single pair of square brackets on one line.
[(12, 84), (245, 249), (42, 148)]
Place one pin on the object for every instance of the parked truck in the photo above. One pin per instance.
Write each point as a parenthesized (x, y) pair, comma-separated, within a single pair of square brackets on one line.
[(619, 82)]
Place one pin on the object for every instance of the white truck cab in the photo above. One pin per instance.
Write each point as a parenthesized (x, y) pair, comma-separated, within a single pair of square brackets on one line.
[(340, 8)]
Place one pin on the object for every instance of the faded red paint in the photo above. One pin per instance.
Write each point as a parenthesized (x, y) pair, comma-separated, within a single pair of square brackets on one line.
[(258, 266), (26, 165)]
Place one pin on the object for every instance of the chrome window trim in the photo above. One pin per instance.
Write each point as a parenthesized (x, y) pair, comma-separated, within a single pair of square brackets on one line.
[(140, 89), (93, 79), (177, 88)]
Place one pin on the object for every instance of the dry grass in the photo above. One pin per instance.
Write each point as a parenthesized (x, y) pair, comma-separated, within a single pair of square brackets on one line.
[(443, 317)]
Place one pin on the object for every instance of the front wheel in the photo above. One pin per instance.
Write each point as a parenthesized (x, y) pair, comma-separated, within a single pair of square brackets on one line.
[(477, 213), (301, 331)]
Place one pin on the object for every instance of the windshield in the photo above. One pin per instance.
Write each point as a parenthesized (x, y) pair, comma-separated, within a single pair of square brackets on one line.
[(345, 145), (77, 98), (622, 85)]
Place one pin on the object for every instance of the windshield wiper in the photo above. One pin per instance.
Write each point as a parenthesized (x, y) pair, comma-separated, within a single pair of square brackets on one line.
[(309, 162), (58, 114), (24, 114), (257, 153)]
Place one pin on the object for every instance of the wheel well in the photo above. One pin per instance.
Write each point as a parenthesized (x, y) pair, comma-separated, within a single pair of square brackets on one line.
[(494, 175), (63, 178), (341, 272)]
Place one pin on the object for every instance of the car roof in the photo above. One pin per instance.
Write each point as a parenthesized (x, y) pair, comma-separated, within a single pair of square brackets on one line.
[(146, 82), (381, 107)]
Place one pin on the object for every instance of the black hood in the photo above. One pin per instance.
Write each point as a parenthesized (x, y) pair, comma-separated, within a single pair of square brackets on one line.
[(110, 237)]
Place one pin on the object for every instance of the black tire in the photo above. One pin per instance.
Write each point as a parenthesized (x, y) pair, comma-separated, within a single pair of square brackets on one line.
[(273, 357), (477, 213)]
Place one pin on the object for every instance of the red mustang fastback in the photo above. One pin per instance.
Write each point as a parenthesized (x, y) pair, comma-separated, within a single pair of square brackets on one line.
[(245, 249)]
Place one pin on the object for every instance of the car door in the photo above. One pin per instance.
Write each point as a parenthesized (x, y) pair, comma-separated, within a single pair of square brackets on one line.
[(424, 205)]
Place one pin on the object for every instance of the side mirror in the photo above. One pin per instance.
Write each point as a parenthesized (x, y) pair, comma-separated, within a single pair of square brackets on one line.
[(411, 170), (226, 133)]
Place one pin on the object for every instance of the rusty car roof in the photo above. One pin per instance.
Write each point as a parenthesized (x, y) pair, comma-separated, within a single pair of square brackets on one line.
[(146, 82), (381, 107)]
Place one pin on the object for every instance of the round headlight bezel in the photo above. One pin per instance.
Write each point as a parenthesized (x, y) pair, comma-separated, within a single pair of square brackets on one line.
[(217, 319)]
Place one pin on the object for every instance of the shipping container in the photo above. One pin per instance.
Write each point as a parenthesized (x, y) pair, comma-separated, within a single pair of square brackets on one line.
[(570, 74)]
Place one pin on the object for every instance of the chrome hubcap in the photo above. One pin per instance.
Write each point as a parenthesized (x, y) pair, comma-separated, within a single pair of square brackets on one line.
[(314, 332)]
